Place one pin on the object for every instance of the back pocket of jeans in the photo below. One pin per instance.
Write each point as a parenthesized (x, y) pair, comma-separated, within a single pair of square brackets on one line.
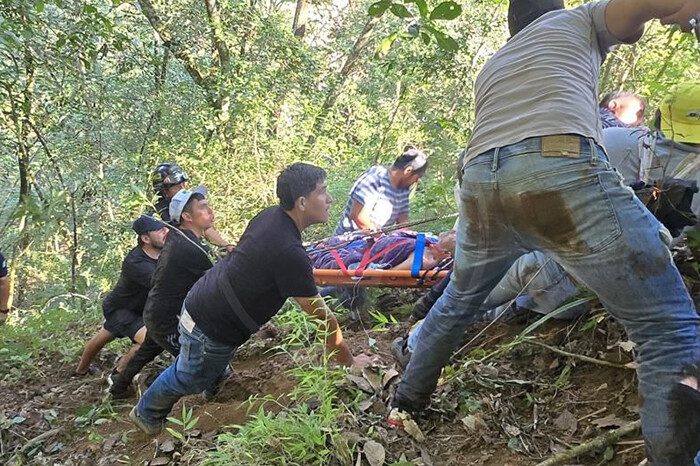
[(573, 219)]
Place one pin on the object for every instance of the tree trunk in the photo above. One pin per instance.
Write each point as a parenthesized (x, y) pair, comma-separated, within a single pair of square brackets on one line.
[(345, 71), (300, 17)]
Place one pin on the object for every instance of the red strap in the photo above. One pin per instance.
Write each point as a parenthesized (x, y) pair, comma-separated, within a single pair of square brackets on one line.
[(340, 262), (366, 260)]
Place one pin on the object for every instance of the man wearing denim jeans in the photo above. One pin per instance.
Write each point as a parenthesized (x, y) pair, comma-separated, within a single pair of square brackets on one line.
[(536, 178), (243, 291)]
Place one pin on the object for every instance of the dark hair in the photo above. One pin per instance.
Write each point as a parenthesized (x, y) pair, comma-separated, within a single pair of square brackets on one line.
[(413, 158), (190, 203), (297, 180), (521, 13), (610, 96)]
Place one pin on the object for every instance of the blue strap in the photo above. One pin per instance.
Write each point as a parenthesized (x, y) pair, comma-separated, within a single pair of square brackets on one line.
[(418, 255)]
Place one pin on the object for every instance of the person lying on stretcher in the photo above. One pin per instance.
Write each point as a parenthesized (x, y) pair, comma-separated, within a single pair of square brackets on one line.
[(395, 251)]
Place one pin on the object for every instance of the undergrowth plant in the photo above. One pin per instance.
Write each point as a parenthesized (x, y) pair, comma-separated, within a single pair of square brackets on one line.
[(302, 431)]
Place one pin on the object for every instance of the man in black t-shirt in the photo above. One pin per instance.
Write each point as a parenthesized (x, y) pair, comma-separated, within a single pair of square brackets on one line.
[(183, 261), (168, 179), (123, 306), (4, 290), (245, 290)]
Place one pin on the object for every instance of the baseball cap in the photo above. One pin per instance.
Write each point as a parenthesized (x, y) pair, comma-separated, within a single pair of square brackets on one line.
[(180, 200), (680, 113), (146, 223)]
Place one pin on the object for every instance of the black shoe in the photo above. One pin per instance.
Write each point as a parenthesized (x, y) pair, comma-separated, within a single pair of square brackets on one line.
[(117, 388), (420, 309), (399, 349)]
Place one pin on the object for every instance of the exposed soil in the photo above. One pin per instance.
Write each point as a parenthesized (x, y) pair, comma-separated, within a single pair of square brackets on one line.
[(514, 408)]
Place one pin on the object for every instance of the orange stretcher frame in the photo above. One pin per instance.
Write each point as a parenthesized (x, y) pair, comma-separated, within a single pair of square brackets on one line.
[(386, 278)]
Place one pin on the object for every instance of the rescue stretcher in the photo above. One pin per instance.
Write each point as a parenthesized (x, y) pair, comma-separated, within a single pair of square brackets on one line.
[(365, 277)]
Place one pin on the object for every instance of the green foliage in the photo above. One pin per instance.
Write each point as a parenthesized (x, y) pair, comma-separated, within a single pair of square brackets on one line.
[(303, 433), (184, 424)]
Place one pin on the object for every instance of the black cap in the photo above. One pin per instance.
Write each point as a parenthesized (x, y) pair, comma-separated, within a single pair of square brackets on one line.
[(523, 12), (146, 223)]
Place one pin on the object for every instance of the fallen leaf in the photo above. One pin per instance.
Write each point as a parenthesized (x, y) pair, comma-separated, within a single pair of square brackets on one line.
[(372, 376), (365, 404), (160, 461), (515, 445), (566, 422), (390, 375), (167, 447), (361, 383), (111, 441), (471, 422), (413, 430), (609, 421), (374, 452), (627, 346), (512, 431), (353, 438)]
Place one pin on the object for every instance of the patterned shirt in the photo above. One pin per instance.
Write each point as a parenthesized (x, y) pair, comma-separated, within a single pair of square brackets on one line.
[(375, 192), (609, 120)]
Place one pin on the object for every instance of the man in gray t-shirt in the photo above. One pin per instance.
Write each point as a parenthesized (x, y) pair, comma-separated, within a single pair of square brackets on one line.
[(536, 178)]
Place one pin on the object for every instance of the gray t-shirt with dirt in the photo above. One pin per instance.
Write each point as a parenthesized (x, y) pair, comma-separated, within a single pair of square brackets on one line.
[(544, 81)]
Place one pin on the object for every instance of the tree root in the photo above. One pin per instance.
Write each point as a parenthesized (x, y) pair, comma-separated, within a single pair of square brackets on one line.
[(597, 443), (581, 357)]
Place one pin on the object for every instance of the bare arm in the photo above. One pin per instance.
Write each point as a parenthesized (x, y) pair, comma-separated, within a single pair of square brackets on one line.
[(5, 292), (626, 18), (214, 237), (360, 215), (316, 307)]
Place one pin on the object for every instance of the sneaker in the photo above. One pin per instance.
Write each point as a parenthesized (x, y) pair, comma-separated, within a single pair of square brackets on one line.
[(399, 349), (211, 393), (141, 423)]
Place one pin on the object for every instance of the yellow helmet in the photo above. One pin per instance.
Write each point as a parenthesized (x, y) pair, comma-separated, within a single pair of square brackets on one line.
[(680, 113)]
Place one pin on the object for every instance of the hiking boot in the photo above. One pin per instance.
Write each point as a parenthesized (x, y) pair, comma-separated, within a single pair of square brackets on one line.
[(214, 390), (142, 424), (399, 349)]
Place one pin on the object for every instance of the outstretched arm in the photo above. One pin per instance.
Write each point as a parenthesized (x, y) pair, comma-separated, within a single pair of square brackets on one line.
[(361, 216), (213, 236), (626, 18)]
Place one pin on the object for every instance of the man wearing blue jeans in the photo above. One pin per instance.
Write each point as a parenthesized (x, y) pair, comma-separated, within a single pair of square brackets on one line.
[(536, 178), (243, 291)]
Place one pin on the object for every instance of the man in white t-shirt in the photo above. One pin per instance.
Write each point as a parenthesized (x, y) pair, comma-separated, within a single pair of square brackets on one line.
[(535, 177)]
